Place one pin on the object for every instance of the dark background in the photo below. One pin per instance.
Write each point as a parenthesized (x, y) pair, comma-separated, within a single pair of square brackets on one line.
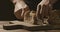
[(7, 8)]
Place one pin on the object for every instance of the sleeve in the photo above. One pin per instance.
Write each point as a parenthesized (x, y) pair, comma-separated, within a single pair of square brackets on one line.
[(19, 13)]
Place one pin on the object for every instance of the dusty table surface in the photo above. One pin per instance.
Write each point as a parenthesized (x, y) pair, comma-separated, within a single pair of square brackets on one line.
[(20, 30)]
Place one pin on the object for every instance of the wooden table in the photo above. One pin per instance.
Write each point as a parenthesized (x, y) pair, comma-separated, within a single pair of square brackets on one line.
[(21, 30)]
